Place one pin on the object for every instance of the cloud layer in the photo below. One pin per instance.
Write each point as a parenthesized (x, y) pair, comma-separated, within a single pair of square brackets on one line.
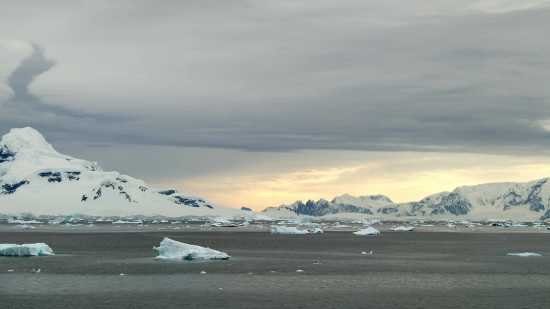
[(280, 76)]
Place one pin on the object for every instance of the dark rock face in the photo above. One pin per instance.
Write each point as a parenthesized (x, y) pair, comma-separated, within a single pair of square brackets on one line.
[(186, 201), (167, 192), (106, 185), (6, 155), (387, 210), (323, 207), (11, 188), (246, 208), (59, 176)]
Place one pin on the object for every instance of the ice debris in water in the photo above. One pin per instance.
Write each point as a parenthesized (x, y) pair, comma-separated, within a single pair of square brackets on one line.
[(402, 229), (203, 272), (24, 227), (524, 254), (34, 271), (38, 249), (367, 231), (287, 230), (366, 253), (299, 271), (171, 249)]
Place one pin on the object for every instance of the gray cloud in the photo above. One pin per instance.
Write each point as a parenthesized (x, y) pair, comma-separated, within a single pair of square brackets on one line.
[(23, 100), (243, 76)]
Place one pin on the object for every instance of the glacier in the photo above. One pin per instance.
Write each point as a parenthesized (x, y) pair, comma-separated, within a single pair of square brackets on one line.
[(367, 231), (38, 249), (171, 249)]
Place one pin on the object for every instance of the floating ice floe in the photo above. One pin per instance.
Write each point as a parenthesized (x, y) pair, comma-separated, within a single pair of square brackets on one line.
[(22, 221), (171, 249), (367, 231), (402, 229), (127, 222), (524, 254), (38, 249), (366, 252), (315, 231), (24, 227), (287, 230)]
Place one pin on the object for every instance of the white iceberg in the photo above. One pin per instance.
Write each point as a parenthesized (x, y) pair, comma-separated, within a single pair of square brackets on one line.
[(24, 227), (402, 229), (367, 231), (287, 230), (171, 249), (38, 249), (524, 254), (315, 230)]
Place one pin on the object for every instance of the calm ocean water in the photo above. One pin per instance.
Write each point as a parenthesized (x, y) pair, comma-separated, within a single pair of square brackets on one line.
[(406, 270)]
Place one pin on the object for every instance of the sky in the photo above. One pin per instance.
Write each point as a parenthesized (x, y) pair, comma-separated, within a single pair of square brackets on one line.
[(262, 103)]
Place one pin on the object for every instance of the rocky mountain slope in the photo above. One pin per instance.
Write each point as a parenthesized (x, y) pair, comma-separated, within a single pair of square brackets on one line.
[(34, 178)]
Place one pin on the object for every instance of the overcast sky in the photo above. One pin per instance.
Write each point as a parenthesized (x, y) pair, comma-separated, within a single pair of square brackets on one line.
[(259, 103)]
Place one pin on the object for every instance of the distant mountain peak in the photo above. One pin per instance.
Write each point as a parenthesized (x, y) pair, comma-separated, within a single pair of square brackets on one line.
[(19, 139)]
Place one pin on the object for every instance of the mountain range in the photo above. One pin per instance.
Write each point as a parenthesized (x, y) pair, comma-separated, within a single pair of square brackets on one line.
[(36, 179), (507, 200)]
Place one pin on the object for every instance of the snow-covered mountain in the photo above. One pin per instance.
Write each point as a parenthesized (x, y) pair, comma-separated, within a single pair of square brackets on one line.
[(34, 178), (521, 201), (366, 204)]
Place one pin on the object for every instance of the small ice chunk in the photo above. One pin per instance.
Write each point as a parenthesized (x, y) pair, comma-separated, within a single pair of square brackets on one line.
[(10, 270), (122, 274), (38, 249), (524, 254), (299, 271), (35, 271), (366, 253), (203, 272), (316, 230), (287, 230), (367, 231), (171, 249), (24, 227), (403, 229)]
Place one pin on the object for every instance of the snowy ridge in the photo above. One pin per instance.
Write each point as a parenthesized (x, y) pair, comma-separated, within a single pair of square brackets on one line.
[(36, 179), (340, 204), (521, 201)]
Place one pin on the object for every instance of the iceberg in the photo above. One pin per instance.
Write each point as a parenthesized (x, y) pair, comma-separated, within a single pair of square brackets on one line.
[(402, 229), (367, 231), (171, 249), (287, 230), (38, 249), (24, 227), (524, 254), (315, 230)]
